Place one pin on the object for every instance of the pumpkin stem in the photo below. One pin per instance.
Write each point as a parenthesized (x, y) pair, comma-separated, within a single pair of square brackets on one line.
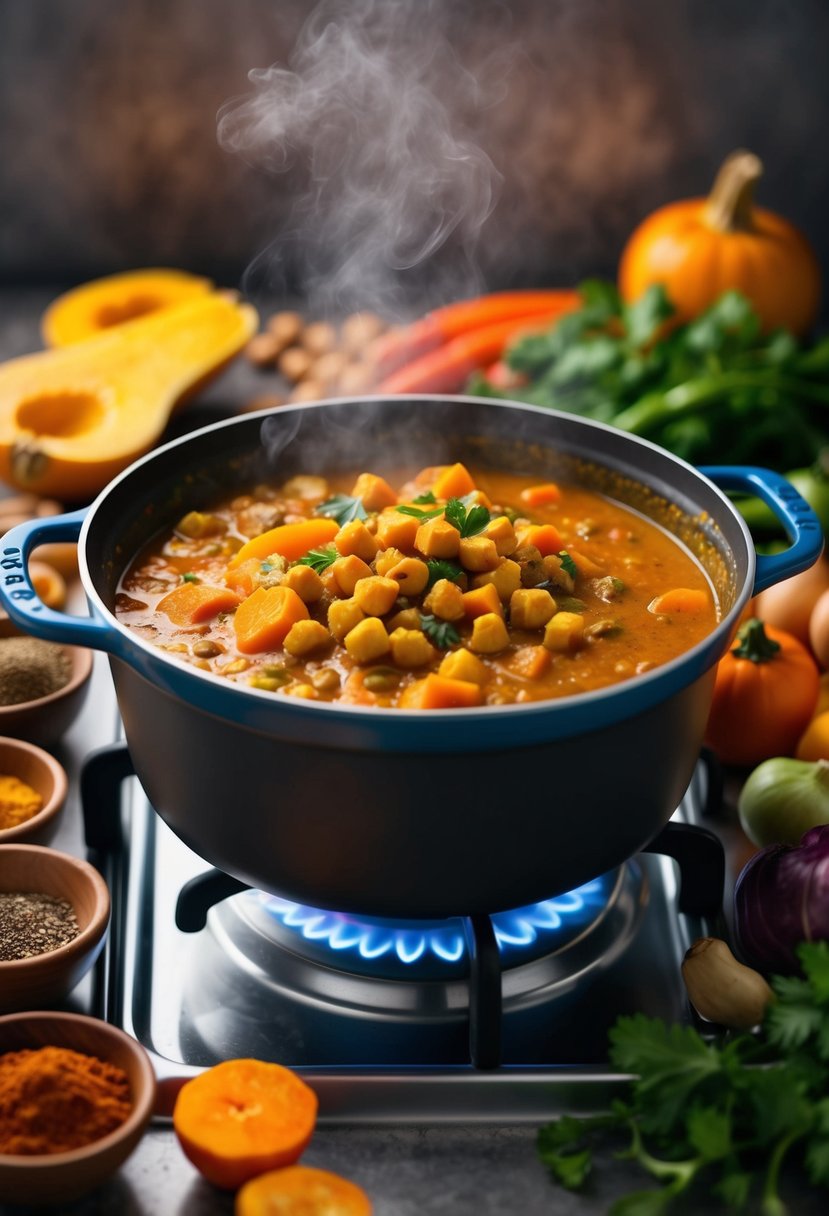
[(753, 643), (729, 206)]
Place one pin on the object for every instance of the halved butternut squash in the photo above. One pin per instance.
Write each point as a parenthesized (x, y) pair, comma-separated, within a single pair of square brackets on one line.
[(71, 419), (92, 308)]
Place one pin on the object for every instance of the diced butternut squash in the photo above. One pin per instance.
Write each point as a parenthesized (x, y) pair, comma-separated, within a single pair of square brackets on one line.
[(305, 582), (440, 692), (437, 538), (343, 615), (564, 632), (376, 595), (463, 665), (453, 481), (348, 571), (290, 540), (481, 600), (263, 620), (192, 603), (386, 560), (531, 608), (395, 530), (241, 579), (368, 640), (489, 634), (505, 578), (305, 637), (530, 662), (545, 537), (375, 492), (478, 553), (501, 531), (411, 648), (354, 537), (686, 600)]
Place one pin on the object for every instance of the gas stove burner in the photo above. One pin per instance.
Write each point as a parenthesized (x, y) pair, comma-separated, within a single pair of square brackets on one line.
[(435, 949)]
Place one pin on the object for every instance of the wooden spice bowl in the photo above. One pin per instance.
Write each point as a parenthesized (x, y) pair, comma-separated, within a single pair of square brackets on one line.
[(45, 719), (46, 777), (62, 1177), (44, 979)]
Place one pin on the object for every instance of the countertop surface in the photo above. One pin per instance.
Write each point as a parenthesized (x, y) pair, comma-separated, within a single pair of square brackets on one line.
[(451, 1170)]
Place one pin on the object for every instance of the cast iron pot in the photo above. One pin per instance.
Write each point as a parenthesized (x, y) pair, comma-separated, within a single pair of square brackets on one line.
[(408, 813)]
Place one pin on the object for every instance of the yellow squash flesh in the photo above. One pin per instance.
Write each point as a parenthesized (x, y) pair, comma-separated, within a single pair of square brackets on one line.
[(71, 419), (97, 306)]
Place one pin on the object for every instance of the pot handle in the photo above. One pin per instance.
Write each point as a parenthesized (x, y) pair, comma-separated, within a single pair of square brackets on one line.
[(19, 598), (801, 524)]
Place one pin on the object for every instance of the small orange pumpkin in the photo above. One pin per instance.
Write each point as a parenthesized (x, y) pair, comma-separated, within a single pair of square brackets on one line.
[(700, 247)]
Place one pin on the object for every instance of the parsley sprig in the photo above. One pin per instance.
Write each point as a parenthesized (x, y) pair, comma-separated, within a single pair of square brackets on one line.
[(343, 508), (427, 496), (699, 1113), (318, 559), (567, 563), (442, 633), (419, 512), (441, 567), (468, 517)]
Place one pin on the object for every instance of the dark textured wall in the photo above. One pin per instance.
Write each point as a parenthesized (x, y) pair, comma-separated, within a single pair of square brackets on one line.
[(590, 111)]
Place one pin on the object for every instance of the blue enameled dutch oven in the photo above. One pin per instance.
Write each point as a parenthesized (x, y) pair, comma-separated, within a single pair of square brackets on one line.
[(409, 813)]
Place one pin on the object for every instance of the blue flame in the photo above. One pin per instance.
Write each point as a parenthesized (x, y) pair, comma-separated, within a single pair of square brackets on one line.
[(521, 934)]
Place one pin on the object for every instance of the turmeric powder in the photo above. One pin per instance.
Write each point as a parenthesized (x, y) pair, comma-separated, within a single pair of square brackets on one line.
[(18, 802), (53, 1099)]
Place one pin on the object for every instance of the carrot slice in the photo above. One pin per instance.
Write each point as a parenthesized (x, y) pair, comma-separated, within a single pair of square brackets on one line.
[(445, 369), (289, 540), (440, 692), (681, 599), (530, 662), (194, 602), (243, 1117), (264, 619), (542, 495), (545, 537), (402, 346), (481, 600), (301, 1190)]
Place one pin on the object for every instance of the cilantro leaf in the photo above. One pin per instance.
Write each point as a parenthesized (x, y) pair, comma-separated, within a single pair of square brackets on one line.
[(470, 520), (570, 1169), (643, 1203), (189, 577), (671, 1062), (709, 1132), (442, 633), (441, 567), (418, 513), (567, 563), (343, 508), (428, 496), (318, 559)]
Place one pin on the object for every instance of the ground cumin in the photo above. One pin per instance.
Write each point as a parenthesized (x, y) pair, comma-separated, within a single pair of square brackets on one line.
[(53, 1099), (18, 801), (31, 668)]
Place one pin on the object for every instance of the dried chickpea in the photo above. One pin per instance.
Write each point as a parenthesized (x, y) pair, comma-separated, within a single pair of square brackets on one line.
[(262, 350), (411, 575), (285, 327), (306, 636), (343, 615), (411, 648), (318, 338), (348, 571), (376, 595), (295, 364), (445, 600), (367, 641)]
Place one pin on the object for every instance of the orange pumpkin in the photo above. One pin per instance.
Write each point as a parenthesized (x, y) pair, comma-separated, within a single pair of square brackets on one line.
[(765, 693), (700, 247)]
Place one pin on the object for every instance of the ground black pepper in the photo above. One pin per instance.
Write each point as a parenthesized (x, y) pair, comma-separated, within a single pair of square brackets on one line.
[(32, 923), (31, 668)]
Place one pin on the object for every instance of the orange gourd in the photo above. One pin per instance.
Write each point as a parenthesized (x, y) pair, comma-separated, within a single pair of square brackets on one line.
[(101, 304), (242, 1118), (700, 247), (301, 1190), (765, 693)]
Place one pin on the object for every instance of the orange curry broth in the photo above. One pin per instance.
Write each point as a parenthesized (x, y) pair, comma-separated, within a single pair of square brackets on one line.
[(605, 625)]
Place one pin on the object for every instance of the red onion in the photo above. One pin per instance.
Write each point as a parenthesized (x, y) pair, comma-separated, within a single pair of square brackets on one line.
[(782, 899)]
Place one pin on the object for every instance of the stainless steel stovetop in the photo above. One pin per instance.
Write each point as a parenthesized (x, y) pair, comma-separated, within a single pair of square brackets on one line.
[(384, 1019)]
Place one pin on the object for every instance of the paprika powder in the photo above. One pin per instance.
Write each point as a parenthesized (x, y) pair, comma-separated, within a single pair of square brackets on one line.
[(53, 1100)]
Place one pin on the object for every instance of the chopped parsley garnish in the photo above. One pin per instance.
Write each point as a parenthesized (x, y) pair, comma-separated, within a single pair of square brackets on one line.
[(318, 559), (343, 508), (469, 520), (190, 578), (442, 633), (418, 513), (567, 563), (427, 497), (704, 1115), (441, 567)]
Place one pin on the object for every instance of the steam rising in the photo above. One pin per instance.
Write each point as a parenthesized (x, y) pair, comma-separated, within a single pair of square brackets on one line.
[(371, 126)]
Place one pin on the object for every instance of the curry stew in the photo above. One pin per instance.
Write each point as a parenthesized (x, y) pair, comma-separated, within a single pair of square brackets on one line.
[(453, 589)]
